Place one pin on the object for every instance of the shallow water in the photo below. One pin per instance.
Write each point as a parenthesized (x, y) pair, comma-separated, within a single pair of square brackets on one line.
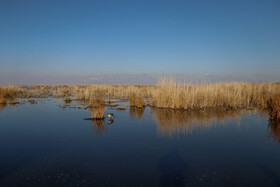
[(45, 144)]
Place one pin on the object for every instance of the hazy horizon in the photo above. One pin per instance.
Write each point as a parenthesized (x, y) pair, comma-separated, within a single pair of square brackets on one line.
[(136, 42)]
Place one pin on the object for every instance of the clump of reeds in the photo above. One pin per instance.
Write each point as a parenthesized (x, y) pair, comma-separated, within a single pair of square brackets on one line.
[(3, 100), (139, 102), (31, 101), (98, 112), (274, 109), (13, 101), (96, 101), (132, 99), (9, 93), (67, 100), (97, 107), (136, 99), (121, 108)]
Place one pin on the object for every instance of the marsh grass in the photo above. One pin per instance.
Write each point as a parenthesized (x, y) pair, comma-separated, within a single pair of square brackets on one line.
[(67, 100), (97, 107), (139, 102), (96, 101), (175, 95), (132, 99), (98, 112), (3, 100), (31, 101), (168, 93), (13, 101)]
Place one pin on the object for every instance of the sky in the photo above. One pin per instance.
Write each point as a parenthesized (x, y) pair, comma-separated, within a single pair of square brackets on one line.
[(137, 41)]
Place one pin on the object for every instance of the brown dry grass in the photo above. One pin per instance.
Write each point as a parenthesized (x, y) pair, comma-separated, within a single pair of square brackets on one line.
[(132, 99), (98, 107), (170, 94), (166, 94), (98, 112), (3, 100), (139, 102), (67, 100)]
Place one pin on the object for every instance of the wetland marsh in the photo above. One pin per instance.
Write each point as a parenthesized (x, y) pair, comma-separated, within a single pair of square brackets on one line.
[(45, 141)]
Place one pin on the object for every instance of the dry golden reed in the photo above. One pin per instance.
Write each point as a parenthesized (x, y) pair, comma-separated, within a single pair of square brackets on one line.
[(3, 100), (170, 94), (67, 100), (132, 99), (166, 94), (98, 112), (98, 107)]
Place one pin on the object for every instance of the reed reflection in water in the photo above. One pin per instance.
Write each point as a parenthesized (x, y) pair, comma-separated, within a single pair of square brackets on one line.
[(274, 129), (3, 106), (139, 111), (174, 122), (98, 126)]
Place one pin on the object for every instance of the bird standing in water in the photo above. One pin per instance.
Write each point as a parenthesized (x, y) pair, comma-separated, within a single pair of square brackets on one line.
[(110, 115)]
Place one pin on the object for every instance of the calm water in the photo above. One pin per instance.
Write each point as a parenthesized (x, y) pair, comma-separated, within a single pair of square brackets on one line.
[(47, 145)]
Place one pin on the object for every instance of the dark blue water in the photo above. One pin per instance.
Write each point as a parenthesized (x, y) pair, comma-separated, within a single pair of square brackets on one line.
[(46, 145)]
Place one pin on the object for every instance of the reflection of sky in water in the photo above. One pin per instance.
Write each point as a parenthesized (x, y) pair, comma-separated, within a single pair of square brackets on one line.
[(43, 144)]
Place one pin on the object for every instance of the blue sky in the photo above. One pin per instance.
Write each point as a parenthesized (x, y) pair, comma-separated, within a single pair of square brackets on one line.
[(50, 41)]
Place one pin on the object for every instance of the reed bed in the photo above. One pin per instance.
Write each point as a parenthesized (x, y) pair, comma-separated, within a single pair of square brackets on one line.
[(170, 94), (174, 95), (166, 94)]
